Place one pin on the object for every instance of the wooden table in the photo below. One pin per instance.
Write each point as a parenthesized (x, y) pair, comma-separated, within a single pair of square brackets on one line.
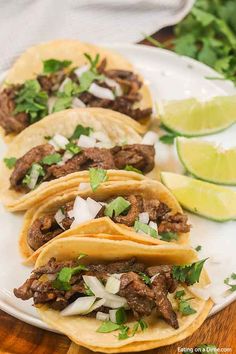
[(17, 337)]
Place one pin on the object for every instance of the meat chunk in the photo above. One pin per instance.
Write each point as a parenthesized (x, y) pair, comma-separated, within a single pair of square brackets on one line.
[(163, 304), (135, 208), (51, 83), (139, 156), (155, 209), (118, 267), (53, 266), (23, 164), (174, 223), (43, 230), (165, 270), (123, 105), (139, 296), (25, 292), (10, 122), (73, 165)]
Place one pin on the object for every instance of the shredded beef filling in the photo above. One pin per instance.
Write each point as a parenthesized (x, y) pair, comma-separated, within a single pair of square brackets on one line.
[(45, 228), (137, 155), (130, 83), (142, 299), (10, 122)]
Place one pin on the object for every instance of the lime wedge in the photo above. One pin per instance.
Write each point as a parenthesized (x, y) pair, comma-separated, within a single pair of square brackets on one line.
[(191, 117), (207, 161), (202, 198)]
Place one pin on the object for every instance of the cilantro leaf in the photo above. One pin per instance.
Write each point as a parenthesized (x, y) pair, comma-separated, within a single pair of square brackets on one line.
[(80, 130), (168, 139), (140, 324), (51, 159), (179, 294), (62, 103), (198, 248), (121, 316), (232, 287), (116, 207), (145, 278), (140, 226), (31, 100), (132, 169), (185, 308), (10, 162), (52, 65), (107, 327), (62, 282), (123, 332), (73, 148), (168, 236), (32, 177), (96, 177), (93, 62), (189, 273)]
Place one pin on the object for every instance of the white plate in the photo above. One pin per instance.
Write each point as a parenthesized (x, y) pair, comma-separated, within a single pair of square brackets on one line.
[(170, 77)]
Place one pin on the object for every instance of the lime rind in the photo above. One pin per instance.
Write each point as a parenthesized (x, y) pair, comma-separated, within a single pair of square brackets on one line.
[(190, 117), (221, 166), (222, 199)]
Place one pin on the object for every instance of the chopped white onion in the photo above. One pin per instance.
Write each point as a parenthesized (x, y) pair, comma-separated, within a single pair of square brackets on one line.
[(51, 102), (101, 136), (112, 301), (62, 86), (112, 314), (80, 212), (115, 85), (66, 156), (79, 306), (59, 217), (150, 138), (117, 275), (153, 225), (94, 207), (101, 316), (34, 175), (153, 277), (112, 285), (144, 217), (77, 103), (96, 305), (86, 141), (59, 141), (101, 92), (202, 293), (83, 186), (79, 71)]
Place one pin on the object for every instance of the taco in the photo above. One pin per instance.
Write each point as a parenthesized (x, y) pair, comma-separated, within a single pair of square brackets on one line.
[(141, 211), (62, 74), (63, 149), (118, 296)]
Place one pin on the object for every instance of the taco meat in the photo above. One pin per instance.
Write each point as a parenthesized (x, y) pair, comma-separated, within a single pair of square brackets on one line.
[(123, 87), (41, 231), (10, 122), (139, 156), (142, 297)]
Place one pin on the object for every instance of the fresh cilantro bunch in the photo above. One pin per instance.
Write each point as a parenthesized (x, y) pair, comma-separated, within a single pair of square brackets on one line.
[(32, 100), (208, 34)]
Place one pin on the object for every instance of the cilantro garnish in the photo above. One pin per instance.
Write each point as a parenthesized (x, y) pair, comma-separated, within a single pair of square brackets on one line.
[(145, 278), (93, 62), (32, 177), (168, 139), (168, 236), (189, 273), (123, 332), (96, 177), (198, 248), (52, 65), (10, 162), (107, 327), (62, 103), (227, 282), (73, 148), (132, 169), (32, 100), (80, 130), (183, 305), (62, 282), (116, 207), (140, 226), (140, 324), (121, 316), (51, 159)]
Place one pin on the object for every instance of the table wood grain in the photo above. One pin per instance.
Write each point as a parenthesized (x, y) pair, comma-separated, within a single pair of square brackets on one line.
[(17, 337)]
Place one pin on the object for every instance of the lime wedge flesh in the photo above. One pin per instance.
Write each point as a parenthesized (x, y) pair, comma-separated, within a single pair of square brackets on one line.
[(202, 198), (208, 162), (191, 117)]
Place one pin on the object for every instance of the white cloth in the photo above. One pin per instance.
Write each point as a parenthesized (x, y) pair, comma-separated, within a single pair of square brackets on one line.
[(27, 22)]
